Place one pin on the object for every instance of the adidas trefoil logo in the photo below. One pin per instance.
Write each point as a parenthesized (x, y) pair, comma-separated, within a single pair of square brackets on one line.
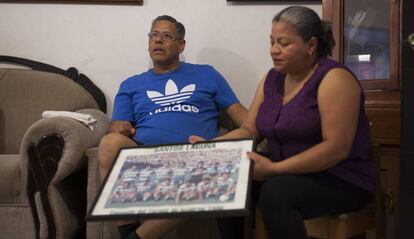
[(172, 95), (172, 98)]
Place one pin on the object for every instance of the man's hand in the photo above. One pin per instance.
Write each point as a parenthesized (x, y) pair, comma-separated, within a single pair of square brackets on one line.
[(122, 127)]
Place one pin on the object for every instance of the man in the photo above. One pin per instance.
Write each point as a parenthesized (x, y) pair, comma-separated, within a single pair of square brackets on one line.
[(166, 104)]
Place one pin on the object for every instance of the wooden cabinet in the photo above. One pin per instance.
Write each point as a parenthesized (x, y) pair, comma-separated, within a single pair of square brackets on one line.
[(389, 165), (383, 110), (367, 41)]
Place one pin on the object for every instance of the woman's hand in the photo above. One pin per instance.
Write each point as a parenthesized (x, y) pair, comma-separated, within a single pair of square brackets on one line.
[(263, 167), (194, 139)]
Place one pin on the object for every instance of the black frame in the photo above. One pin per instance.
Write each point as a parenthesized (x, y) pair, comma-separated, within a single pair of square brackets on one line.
[(274, 1), (129, 2), (205, 210)]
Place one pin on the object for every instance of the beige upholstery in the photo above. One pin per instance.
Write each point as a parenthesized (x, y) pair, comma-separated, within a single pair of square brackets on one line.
[(24, 95)]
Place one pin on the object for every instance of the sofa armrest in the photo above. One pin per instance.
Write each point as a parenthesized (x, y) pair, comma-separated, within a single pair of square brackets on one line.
[(54, 165), (77, 138)]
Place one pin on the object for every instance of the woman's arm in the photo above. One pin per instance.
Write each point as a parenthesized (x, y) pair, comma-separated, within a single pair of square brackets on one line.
[(248, 127)]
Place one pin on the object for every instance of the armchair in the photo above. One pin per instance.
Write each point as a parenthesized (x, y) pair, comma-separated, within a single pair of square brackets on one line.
[(42, 161)]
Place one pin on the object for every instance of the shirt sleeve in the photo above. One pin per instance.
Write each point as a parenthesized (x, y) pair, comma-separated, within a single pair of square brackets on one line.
[(225, 96), (123, 107)]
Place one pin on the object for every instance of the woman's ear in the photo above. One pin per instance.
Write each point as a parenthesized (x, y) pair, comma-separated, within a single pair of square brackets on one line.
[(312, 45)]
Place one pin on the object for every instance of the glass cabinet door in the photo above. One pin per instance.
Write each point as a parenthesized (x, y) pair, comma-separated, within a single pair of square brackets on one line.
[(366, 32), (366, 38)]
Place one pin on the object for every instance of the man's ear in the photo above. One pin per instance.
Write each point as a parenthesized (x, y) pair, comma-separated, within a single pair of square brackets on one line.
[(182, 46)]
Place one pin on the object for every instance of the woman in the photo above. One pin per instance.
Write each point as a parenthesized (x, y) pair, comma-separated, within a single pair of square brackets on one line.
[(311, 111)]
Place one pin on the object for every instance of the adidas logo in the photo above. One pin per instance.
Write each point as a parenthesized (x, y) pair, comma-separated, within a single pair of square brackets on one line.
[(172, 98), (172, 95)]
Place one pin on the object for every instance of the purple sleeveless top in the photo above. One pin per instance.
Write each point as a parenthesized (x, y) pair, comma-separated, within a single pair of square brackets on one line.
[(296, 126)]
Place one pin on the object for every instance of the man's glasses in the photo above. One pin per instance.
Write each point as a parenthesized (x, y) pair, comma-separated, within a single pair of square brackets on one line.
[(164, 36)]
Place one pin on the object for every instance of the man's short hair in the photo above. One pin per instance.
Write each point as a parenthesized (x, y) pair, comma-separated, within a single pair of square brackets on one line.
[(179, 27)]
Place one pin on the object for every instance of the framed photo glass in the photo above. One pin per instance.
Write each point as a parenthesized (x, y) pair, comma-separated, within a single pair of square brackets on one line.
[(210, 178)]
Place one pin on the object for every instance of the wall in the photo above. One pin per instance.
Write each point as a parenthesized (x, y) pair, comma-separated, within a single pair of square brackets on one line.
[(108, 42)]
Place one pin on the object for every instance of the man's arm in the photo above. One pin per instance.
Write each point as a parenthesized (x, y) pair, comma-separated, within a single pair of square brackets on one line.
[(122, 127), (237, 113)]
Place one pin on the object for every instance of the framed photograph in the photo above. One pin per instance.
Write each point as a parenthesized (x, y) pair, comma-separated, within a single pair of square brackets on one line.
[(129, 2), (274, 1), (210, 178)]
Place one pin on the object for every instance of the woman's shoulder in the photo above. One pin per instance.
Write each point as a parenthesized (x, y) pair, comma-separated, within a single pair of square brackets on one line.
[(340, 78), (332, 68), (330, 64)]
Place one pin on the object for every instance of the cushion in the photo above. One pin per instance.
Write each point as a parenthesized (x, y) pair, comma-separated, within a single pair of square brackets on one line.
[(25, 94), (10, 183)]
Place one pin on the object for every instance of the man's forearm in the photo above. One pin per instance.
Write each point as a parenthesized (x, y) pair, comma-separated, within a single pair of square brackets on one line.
[(237, 113)]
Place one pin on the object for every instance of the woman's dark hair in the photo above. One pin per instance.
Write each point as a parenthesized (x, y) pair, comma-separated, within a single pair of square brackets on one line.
[(179, 27), (308, 24)]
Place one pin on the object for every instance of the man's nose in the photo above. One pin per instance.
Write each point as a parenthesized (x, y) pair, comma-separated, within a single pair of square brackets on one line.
[(159, 39)]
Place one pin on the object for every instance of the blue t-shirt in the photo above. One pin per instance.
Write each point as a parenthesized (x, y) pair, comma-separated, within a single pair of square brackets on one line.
[(169, 107)]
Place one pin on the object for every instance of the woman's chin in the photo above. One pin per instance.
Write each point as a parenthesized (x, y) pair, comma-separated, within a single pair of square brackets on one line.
[(279, 68)]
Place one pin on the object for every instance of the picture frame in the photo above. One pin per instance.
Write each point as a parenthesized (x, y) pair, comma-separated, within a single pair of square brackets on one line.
[(118, 2), (273, 1), (206, 179)]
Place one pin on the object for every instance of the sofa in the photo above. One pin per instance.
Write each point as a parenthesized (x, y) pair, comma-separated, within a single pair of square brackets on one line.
[(49, 167), (42, 161)]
